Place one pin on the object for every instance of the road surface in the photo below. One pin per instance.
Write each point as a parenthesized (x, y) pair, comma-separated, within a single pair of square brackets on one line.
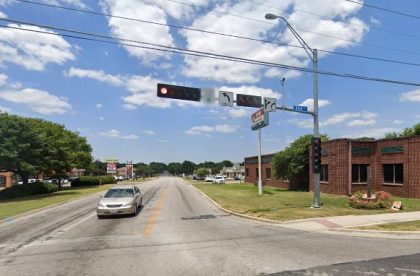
[(178, 232)]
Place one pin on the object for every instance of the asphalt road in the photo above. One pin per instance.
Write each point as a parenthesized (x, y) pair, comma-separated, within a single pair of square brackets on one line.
[(178, 232)]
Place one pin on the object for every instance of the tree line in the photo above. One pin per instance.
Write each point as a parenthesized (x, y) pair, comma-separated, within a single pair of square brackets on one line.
[(30, 146), (157, 168)]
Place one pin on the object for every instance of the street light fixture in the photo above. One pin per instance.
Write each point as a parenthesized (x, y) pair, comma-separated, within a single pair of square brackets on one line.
[(313, 55)]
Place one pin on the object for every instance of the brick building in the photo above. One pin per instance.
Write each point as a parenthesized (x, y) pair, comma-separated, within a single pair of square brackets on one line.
[(6, 179), (394, 165), (267, 175)]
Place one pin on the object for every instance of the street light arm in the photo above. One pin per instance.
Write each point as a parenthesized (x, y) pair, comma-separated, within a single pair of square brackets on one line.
[(302, 42)]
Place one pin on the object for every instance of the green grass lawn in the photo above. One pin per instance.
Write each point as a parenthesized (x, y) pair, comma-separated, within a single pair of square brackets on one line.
[(286, 205), (16, 206), (398, 226)]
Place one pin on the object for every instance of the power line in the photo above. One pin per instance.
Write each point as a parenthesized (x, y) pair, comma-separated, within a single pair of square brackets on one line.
[(351, 23), (183, 51), (210, 32), (384, 9), (222, 34), (301, 30)]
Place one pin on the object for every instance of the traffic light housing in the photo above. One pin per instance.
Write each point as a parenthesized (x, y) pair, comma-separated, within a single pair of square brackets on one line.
[(178, 92), (248, 100), (316, 155)]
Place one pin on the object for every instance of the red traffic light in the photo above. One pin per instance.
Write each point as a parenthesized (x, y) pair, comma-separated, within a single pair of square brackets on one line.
[(178, 92)]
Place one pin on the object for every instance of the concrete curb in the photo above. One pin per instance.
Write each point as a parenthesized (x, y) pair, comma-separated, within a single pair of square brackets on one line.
[(5, 220), (341, 231)]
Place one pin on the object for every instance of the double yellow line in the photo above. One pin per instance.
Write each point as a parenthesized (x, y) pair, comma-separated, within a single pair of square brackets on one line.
[(148, 229)]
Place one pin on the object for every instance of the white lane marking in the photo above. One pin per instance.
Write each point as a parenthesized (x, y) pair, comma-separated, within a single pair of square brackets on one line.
[(93, 213)]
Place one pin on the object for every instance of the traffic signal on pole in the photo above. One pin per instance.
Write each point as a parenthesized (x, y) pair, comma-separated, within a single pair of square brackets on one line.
[(178, 92), (248, 100), (316, 154)]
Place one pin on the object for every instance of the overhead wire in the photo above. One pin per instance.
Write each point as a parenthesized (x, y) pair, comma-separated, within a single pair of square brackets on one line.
[(384, 9), (178, 50)]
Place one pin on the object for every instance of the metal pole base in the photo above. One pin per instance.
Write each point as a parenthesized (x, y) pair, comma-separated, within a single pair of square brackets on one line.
[(315, 207)]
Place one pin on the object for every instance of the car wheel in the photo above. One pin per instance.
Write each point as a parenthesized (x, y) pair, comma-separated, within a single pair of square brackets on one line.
[(135, 210)]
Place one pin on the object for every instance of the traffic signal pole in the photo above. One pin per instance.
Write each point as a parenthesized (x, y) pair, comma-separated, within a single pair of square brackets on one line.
[(259, 163), (317, 186)]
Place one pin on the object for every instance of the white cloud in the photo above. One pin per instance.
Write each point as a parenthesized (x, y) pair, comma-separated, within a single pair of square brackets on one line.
[(310, 103), (142, 88), (99, 106), (102, 118), (373, 132), (3, 79), (197, 130), (412, 96), (113, 133), (375, 22), (302, 123), (238, 113), (38, 100), (338, 21), (33, 51), (366, 119), (98, 75), (5, 109), (2, 15), (397, 122), (149, 132), (339, 118), (126, 29)]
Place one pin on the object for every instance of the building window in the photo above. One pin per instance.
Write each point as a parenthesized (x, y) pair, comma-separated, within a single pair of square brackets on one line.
[(247, 172), (2, 181), (393, 173), (324, 173), (359, 173), (267, 173)]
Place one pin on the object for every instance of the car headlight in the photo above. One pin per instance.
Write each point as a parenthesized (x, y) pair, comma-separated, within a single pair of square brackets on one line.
[(100, 204), (128, 204)]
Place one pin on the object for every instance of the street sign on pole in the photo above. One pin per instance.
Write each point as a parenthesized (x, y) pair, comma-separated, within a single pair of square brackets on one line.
[(225, 98), (269, 104), (111, 168), (259, 119), (300, 108)]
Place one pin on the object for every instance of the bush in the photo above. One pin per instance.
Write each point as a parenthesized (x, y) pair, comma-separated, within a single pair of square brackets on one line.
[(93, 180), (382, 200), (28, 189)]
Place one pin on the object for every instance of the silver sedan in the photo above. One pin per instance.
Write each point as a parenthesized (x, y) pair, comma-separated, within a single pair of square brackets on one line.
[(120, 201)]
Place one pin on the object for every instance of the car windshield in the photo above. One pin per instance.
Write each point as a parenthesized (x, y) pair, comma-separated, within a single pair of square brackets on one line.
[(119, 193)]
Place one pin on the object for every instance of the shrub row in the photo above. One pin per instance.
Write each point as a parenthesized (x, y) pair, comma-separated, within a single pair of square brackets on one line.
[(28, 189), (382, 200), (93, 180)]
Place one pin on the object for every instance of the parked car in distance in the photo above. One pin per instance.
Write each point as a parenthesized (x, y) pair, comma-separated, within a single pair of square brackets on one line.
[(219, 180), (120, 201), (209, 178)]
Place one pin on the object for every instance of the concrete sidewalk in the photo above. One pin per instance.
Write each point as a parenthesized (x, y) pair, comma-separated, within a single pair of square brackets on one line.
[(345, 224)]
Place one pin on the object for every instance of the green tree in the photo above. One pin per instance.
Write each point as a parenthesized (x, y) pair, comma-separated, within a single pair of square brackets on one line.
[(188, 167), (293, 160), (175, 168), (30, 146), (202, 172), (226, 163), (157, 167), (20, 146), (143, 169), (407, 132), (62, 149)]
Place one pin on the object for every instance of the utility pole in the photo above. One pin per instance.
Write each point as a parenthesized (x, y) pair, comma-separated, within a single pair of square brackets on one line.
[(259, 163), (313, 55)]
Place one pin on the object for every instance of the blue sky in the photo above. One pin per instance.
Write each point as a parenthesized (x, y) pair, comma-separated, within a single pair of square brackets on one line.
[(108, 92)]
